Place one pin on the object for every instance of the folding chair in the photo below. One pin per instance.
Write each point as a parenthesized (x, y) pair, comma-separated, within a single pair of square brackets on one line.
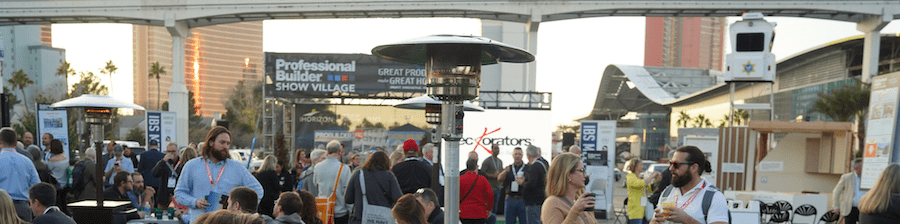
[(623, 212)]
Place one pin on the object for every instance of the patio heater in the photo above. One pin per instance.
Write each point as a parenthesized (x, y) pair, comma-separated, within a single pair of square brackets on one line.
[(453, 65), (98, 112), (432, 109)]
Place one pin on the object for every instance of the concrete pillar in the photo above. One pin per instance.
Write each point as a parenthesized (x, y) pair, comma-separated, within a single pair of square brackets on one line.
[(531, 46), (178, 94), (872, 26)]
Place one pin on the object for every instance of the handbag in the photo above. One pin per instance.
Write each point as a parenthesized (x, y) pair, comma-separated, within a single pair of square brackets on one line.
[(325, 206), (373, 213)]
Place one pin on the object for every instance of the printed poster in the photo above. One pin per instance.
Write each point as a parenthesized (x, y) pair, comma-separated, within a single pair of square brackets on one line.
[(597, 138), (53, 121), (880, 127)]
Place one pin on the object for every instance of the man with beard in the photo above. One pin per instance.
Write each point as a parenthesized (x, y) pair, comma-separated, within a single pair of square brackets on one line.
[(140, 193), (45, 143), (491, 167), (206, 179), (515, 205), (27, 139), (118, 192), (687, 164)]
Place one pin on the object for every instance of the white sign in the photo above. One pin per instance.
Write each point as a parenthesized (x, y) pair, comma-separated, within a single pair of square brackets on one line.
[(880, 127), (161, 127), (597, 138), (772, 166), (506, 128), (54, 122), (732, 167)]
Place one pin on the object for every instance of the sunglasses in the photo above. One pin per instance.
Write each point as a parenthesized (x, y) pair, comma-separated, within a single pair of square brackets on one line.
[(676, 164)]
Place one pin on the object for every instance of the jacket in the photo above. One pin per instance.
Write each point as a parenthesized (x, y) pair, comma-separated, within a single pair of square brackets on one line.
[(479, 201), (843, 193), (293, 218), (635, 187), (532, 188), (53, 216), (381, 189), (149, 159), (412, 174), (271, 189), (162, 172)]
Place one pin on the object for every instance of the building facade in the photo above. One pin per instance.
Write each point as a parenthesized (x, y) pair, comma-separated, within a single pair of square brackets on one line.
[(29, 49), (687, 42), (216, 59)]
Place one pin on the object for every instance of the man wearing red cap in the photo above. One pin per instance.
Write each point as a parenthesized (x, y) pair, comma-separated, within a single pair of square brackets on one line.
[(413, 173)]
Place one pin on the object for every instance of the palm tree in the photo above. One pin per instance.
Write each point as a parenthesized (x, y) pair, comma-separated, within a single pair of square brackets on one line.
[(683, 119), (701, 121), (20, 80), (109, 69), (741, 117), (155, 71), (65, 70), (844, 104)]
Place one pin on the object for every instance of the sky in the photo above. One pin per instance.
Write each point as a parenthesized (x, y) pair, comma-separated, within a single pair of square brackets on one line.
[(571, 54)]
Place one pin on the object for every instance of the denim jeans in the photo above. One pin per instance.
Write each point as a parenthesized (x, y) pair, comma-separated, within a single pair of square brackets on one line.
[(515, 210), (534, 214), (638, 221), (497, 198)]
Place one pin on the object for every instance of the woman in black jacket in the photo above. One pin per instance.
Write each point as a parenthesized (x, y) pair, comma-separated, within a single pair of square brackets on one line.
[(269, 180), (381, 186), (165, 172)]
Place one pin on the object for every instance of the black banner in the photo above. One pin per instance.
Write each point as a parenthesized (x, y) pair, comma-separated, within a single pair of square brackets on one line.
[(300, 75)]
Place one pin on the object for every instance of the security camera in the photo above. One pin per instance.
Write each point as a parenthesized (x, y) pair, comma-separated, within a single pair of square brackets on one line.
[(751, 58)]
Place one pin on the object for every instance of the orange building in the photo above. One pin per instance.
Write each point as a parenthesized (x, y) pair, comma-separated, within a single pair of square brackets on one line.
[(216, 58), (688, 42)]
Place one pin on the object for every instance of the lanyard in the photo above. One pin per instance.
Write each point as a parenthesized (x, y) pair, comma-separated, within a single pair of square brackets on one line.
[(9, 150), (208, 174), (496, 165), (691, 199)]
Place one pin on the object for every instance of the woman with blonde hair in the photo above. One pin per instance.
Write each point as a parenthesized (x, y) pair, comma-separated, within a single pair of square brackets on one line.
[(566, 197), (882, 203), (638, 190), (8, 210), (397, 156), (229, 217), (268, 178)]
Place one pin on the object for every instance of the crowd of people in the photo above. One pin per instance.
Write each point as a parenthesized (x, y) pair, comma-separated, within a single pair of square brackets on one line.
[(205, 185)]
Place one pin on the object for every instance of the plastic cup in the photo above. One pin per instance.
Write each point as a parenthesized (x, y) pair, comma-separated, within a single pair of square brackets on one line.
[(669, 202)]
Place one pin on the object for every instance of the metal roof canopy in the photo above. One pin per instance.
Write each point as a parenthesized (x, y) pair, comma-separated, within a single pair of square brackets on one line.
[(644, 89)]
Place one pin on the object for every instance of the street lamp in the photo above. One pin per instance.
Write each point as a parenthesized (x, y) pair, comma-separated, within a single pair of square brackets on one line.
[(98, 112), (453, 65)]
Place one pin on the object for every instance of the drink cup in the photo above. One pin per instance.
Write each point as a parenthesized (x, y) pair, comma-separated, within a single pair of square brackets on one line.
[(668, 202), (591, 207)]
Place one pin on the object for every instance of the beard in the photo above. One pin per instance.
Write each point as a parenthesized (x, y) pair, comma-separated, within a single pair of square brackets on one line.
[(679, 180), (219, 154)]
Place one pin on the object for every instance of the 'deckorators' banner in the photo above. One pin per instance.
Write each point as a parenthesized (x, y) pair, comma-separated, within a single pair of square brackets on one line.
[(300, 75)]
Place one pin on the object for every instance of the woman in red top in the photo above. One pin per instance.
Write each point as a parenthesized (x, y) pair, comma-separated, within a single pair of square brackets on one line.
[(476, 197)]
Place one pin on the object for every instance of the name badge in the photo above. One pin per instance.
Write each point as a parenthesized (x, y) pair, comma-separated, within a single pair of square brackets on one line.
[(171, 183)]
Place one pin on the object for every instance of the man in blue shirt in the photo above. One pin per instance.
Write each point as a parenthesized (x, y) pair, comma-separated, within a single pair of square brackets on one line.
[(117, 164), (20, 173), (204, 180)]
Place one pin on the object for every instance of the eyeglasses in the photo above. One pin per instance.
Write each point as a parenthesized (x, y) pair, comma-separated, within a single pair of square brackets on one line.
[(583, 170), (675, 164)]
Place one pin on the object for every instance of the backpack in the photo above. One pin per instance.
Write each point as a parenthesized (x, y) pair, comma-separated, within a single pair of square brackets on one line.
[(707, 200), (78, 182)]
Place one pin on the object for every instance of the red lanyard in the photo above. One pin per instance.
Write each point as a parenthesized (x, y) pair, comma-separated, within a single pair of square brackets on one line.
[(208, 174), (691, 199), (9, 150)]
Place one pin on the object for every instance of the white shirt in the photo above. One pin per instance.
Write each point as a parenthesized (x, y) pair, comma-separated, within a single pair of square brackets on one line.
[(718, 208)]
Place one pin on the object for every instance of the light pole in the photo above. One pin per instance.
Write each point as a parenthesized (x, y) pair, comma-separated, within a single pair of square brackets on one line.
[(453, 65)]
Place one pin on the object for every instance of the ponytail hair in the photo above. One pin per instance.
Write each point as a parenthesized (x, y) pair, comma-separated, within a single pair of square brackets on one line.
[(694, 155)]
